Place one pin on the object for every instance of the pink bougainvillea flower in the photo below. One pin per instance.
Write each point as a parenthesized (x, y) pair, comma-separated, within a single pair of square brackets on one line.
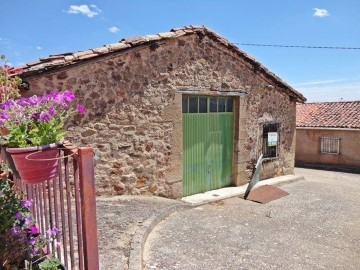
[(4, 116), (68, 96), (34, 100), (53, 232), (29, 117), (49, 232), (34, 230), (15, 230), (80, 109), (51, 111), (56, 231), (26, 203), (28, 220), (18, 216), (32, 241), (44, 117), (34, 251), (36, 116)]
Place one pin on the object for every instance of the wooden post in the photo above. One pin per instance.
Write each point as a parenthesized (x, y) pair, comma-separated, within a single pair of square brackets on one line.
[(88, 208)]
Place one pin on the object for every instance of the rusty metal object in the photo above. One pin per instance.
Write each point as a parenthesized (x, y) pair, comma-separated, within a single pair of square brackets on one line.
[(266, 193)]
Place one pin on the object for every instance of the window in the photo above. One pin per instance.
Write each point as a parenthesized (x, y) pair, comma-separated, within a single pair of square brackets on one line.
[(205, 104), (271, 140), (329, 145)]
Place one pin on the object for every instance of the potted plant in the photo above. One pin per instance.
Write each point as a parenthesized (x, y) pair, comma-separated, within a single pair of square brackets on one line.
[(12, 250), (9, 88), (34, 242), (35, 127), (9, 82), (22, 244)]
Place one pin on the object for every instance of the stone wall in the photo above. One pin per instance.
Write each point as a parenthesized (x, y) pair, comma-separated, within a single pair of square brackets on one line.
[(134, 121)]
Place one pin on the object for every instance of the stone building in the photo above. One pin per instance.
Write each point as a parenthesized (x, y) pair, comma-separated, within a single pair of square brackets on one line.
[(328, 135), (175, 113)]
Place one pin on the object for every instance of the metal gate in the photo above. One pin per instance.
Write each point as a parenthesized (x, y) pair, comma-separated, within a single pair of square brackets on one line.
[(207, 143)]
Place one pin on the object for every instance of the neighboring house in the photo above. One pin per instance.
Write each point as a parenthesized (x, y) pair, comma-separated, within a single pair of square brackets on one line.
[(328, 135), (175, 113)]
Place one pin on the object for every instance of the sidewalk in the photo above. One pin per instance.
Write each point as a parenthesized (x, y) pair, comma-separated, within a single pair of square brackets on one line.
[(228, 192)]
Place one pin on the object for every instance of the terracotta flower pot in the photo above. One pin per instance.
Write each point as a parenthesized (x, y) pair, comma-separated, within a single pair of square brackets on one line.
[(37, 163), (11, 163)]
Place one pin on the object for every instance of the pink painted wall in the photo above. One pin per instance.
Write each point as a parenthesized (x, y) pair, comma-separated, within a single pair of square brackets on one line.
[(308, 147)]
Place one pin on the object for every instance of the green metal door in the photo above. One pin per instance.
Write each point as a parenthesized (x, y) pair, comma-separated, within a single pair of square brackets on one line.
[(207, 143)]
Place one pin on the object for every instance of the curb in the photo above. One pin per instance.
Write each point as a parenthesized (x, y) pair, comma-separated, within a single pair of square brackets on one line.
[(140, 237), (230, 192)]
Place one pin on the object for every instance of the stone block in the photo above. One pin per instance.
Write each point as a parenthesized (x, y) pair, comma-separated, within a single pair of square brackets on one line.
[(88, 132)]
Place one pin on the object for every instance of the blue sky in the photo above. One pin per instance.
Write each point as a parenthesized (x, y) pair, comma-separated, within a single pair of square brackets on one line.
[(38, 28)]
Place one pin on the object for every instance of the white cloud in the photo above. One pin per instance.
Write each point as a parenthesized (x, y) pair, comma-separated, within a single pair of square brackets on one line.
[(114, 29), (39, 48), (320, 12), (86, 10)]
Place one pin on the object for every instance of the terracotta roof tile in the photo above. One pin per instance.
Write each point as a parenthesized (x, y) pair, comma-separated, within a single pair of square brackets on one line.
[(152, 37), (101, 50), (82, 53), (179, 32), (167, 34), (87, 56), (69, 58), (329, 114), (118, 46), (134, 40), (66, 59), (34, 63)]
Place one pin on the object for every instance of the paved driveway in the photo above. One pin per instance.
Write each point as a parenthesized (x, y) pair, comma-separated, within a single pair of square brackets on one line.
[(316, 227)]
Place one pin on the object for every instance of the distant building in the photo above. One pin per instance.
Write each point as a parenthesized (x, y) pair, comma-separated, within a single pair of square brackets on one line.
[(328, 135), (175, 113)]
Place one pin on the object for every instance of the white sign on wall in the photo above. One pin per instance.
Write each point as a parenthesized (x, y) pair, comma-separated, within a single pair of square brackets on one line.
[(272, 138)]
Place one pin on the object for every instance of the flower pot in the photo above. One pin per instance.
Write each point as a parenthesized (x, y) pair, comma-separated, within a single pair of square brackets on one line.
[(5, 156), (37, 163), (11, 164)]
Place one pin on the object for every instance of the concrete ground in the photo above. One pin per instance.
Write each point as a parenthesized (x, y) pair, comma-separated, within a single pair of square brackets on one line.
[(119, 220), (317, 226)]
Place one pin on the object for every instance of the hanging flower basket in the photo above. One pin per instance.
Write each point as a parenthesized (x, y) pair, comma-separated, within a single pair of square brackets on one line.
[(36, 164)]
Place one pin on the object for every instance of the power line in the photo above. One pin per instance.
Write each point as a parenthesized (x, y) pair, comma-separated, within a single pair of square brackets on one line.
[(299, 46)]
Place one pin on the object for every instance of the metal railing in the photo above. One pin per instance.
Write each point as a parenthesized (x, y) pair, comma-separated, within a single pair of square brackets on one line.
[(68, 203)]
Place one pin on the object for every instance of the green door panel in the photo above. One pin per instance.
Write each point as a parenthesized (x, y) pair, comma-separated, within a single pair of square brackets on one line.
[(207, 149)]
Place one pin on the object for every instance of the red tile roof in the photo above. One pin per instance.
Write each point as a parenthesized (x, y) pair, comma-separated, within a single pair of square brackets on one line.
[(329, 114), (66, 59)]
